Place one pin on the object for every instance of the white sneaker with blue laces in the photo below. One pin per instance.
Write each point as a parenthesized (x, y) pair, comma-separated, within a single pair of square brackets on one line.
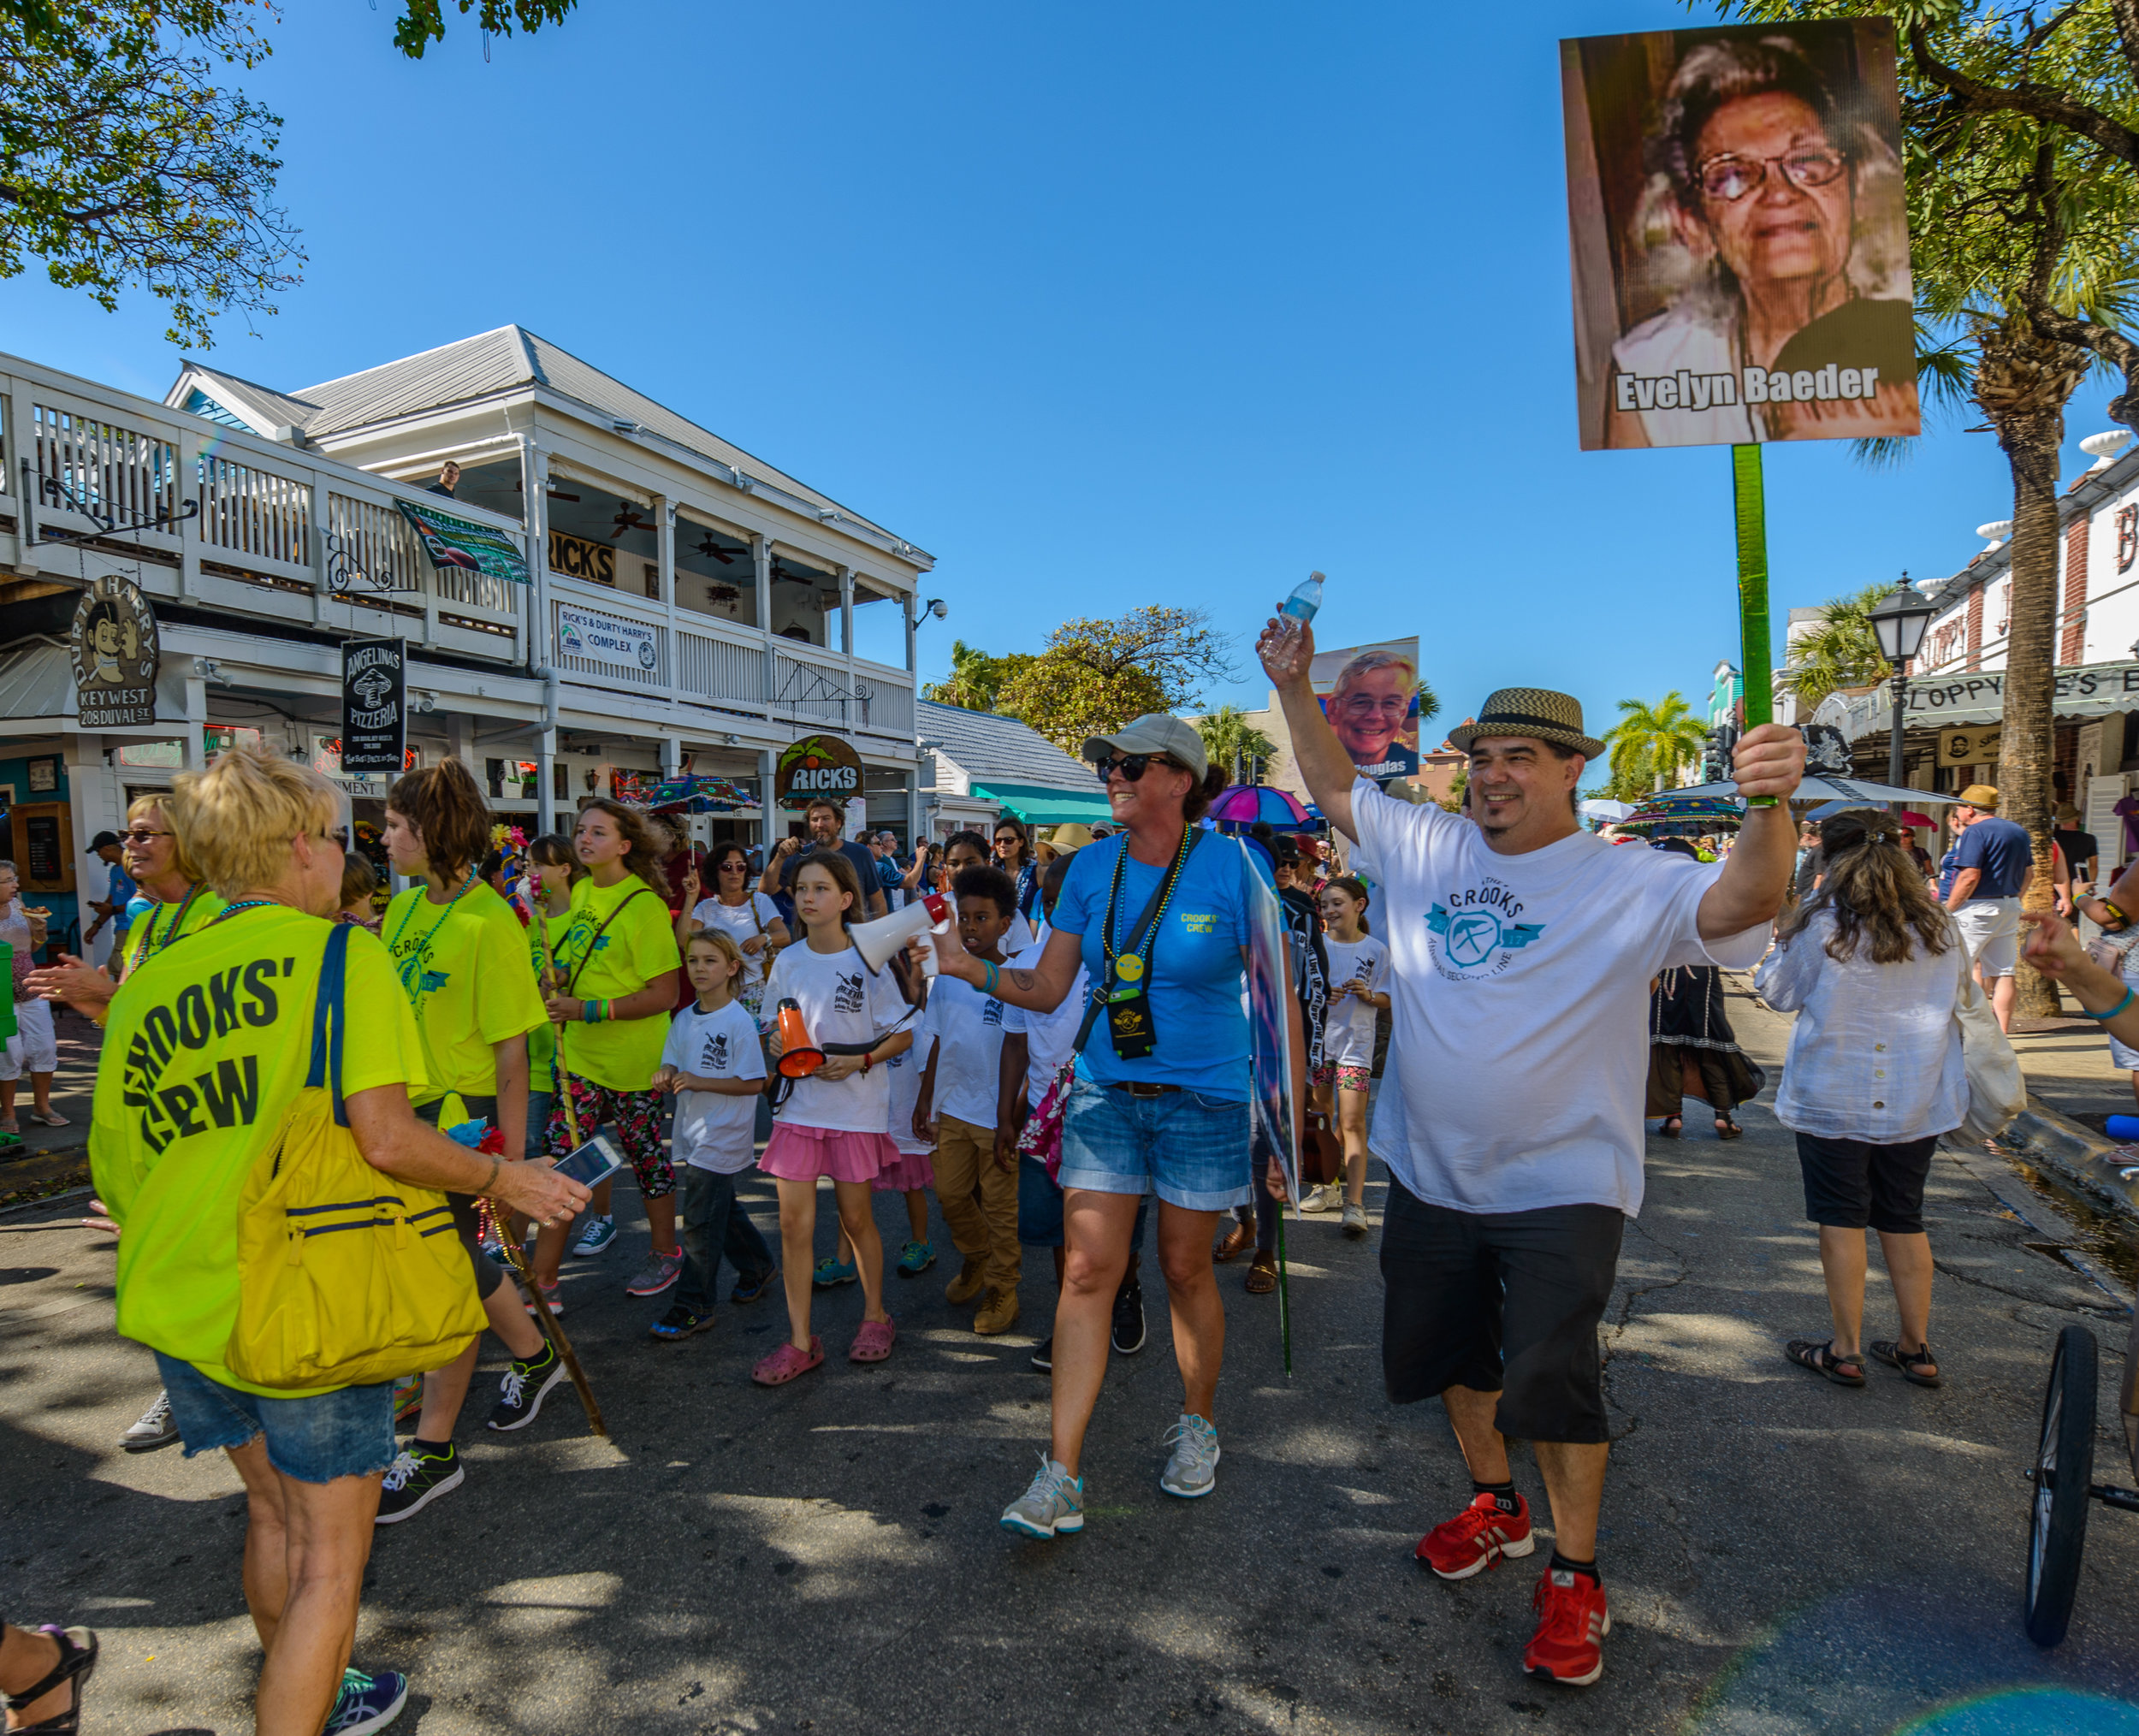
[(1193, 1469), (1054, 1503)]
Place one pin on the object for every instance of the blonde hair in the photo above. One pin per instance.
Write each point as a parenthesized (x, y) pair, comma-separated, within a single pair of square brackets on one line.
[(720, 941), (238, 819), (158, 805)]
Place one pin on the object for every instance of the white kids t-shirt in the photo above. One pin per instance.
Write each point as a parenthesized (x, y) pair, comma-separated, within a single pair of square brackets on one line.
[(1048, 1036), (1348, 1029), (906, 1070), (1520, 984), (842, 1001), (740, 923), (713, 1131), (966, 1028)]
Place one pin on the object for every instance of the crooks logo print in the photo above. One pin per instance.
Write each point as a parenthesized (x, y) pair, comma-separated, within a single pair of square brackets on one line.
[(1478, 931), (849, 996), (715, 1060)]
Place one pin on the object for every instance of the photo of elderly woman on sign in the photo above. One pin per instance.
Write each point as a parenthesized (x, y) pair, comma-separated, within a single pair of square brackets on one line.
[(1739, 235)]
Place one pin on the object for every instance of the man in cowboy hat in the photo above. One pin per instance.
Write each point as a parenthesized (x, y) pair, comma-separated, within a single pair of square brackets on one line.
[(1510, 1116)]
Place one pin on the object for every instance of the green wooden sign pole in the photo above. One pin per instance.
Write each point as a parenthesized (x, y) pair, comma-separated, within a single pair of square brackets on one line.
[(1751, 500)]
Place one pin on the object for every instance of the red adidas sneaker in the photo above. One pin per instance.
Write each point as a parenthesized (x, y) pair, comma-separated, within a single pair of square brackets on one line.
[(1572, 1620), (1477, 1538)]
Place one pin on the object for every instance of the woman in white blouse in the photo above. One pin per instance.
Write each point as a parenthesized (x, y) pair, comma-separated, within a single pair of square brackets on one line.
[(1871, 965)]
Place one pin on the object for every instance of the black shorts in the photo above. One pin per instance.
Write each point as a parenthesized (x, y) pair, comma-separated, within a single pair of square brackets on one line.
[(1852, 1184), (1506, 1302), (467, 1225)]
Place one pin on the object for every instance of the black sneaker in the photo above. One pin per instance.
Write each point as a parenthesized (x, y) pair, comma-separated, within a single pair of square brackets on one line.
[(679, 1322), (1043, 1355), (1128, 1316), (522, 1388), (414, 1481)]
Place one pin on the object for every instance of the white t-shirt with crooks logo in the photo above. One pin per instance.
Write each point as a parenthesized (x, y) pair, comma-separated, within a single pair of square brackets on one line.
[(1520, 993)]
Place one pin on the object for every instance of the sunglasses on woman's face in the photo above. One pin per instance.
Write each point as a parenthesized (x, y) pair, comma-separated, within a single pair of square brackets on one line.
[(1130, 765), (733, 868)]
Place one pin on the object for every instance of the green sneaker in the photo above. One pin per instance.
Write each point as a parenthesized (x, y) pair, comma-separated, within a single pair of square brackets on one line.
[(915, 1258), (1054, 1504), (830, 1274)]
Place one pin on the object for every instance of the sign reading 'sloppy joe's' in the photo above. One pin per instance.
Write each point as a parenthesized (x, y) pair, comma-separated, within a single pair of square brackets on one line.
[(821, 766)]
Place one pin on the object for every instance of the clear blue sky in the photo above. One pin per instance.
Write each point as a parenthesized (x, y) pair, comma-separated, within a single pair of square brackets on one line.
[(1102, 305)]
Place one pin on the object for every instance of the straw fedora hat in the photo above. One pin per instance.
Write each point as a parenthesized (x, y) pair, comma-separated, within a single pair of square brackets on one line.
[(1530, 711), (1072, 835)]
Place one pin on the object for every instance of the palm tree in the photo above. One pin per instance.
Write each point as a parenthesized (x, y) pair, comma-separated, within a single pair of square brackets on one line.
[(1650, 744), (1233, 742), (1842, 651)]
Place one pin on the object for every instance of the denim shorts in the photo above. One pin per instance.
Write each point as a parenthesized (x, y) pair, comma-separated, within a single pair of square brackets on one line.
[(1189, 1149), (348, 1433)]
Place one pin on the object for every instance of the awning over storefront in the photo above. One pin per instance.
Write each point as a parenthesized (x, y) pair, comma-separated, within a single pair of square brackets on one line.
[(1037, 805), (1946, 701)]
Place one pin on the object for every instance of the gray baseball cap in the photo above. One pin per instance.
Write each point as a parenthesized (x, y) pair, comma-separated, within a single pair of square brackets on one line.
[(1155, 732)]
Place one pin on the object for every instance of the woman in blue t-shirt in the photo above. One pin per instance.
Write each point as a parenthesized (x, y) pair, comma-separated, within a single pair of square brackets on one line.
[(1161, 1100)]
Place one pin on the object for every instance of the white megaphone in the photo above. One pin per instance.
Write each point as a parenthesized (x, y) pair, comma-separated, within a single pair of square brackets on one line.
[(879, 941)]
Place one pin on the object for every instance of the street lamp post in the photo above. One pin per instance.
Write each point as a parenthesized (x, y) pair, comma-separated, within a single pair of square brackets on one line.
[(1899, 621)]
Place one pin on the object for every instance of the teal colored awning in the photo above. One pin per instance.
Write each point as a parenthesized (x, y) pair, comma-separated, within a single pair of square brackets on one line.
[(1037, 805)]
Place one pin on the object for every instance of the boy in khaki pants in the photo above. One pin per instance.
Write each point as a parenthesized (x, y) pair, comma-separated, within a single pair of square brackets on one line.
[(962, 1033)]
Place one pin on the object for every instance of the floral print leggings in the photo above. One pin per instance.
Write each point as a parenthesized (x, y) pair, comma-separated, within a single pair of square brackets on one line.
[(635, 1116)]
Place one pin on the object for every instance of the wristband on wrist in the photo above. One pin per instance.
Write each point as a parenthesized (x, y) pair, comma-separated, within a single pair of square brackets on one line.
[(868, 1062), (2119, 921), (991, 975), (492, 1180), (2129, 997)]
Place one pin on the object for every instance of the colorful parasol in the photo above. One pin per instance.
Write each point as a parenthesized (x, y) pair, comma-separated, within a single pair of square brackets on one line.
[(1244, 804)]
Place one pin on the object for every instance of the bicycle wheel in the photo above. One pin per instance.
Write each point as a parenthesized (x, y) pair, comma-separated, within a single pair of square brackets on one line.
[(2063, 1466)]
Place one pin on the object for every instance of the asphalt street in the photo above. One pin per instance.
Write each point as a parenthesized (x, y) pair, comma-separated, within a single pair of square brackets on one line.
[(1783, 1556)]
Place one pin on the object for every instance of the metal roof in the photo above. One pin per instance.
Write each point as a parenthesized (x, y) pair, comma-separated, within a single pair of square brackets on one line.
[(994, 749), (485, 365)]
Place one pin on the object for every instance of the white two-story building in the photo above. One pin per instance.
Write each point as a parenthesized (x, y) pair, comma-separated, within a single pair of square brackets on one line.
[(685, 607)]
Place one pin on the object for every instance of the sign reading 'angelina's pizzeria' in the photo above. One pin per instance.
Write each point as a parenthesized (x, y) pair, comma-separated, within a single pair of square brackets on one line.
[(815, 767), (374, 706)]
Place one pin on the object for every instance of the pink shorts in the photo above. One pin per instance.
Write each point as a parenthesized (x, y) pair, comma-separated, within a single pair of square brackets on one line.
[(804, 1153), (912, 1170)]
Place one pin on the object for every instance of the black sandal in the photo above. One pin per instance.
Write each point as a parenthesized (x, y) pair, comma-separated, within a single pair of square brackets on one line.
[(1818, 1355), (77, 1658), (1673, 1125), (1889, 1351), (1726, 1128)]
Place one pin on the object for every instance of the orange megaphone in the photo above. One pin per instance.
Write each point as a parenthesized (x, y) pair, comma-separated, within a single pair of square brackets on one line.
[(798, 1056)]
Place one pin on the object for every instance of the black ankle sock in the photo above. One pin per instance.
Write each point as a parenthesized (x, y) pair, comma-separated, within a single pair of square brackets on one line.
[(1502, 1493), (1588, 1569), (431, 1449), (540, 1358)]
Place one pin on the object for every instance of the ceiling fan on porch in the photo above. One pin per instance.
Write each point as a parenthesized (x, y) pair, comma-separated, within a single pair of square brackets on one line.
[(547, 494), (713, 550), (628, 519)]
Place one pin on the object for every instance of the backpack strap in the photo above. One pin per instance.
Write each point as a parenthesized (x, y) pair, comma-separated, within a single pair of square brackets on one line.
[(327, 1018)]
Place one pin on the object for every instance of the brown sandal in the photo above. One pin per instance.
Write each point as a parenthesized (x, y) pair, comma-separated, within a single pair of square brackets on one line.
[(1234, 1243), (1262, 1274), (1818, 1355)]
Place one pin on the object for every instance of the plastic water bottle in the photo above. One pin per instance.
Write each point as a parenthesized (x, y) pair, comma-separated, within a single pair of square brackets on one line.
[(1301, 606)]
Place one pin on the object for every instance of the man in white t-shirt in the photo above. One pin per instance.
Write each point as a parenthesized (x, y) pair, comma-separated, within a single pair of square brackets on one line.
[(1510, 1118)]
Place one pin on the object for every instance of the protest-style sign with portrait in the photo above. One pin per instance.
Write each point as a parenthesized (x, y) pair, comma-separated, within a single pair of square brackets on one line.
[(1370, 694), (1740, 237)]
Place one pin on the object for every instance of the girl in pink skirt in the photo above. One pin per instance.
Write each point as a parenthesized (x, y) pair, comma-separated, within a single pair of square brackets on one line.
[(834, 1120)]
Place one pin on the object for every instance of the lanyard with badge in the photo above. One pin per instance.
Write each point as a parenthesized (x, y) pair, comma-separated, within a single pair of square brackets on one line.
[(1125, 991)]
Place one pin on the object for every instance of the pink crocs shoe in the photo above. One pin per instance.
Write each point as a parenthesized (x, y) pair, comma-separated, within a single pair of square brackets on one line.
[(873, 1343), (786, 1362)]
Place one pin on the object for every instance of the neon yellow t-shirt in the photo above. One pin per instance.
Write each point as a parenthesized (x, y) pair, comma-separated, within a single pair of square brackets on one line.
[(158, 928), (464, 968), (638, 946), (205, 1052)]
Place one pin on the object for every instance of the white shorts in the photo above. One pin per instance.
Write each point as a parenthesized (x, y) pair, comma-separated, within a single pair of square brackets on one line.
[(1990, 929), (33, 1048)]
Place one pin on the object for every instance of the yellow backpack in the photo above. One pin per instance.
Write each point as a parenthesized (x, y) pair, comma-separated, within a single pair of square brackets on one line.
[(346, 1276)]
